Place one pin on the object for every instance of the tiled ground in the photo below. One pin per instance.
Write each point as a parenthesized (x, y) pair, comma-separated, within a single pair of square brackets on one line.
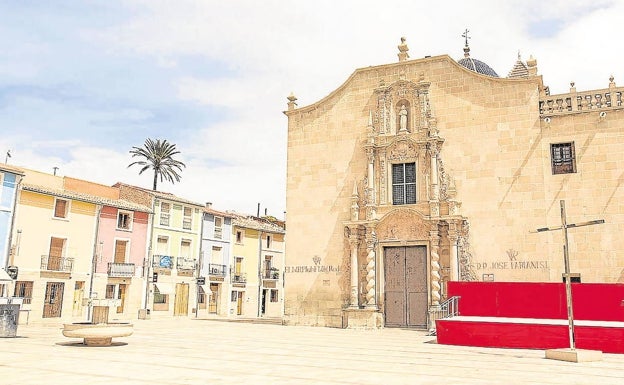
[(189, 351)]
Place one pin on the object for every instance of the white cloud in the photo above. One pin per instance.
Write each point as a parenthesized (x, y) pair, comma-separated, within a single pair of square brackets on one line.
[(267, 49)]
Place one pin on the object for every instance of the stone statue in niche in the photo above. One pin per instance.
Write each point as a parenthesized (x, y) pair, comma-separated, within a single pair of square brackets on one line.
[(403, 118)]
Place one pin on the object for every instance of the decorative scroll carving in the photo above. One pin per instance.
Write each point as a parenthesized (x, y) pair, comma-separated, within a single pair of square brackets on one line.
[(403, 224), (402, 150)]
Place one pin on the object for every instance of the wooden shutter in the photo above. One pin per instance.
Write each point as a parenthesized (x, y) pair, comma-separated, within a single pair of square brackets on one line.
[(120, 251)]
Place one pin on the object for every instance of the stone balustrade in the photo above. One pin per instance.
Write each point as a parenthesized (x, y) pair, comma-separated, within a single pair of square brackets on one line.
[(574, 102)]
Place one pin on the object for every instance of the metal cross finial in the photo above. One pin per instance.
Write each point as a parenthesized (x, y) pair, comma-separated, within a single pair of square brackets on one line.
[(465, 35)]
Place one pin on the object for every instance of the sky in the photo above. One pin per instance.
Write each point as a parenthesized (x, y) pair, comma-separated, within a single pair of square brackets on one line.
[(84, 81)]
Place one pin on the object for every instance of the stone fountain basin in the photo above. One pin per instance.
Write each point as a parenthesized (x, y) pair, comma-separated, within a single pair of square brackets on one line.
[(97, 334)]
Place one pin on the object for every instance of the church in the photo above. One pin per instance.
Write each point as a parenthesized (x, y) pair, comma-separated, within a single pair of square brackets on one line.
[(424, 171)]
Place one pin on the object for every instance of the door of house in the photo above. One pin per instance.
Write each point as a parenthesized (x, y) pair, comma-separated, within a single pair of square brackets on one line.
[(239, 302), (181, 299), (53, 304), (55, 255), (78, 296), (121, 296), (264, 299), (405, 271), (212, 301)]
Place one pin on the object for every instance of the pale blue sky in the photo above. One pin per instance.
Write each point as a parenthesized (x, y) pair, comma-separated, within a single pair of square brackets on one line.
[(81, 82)]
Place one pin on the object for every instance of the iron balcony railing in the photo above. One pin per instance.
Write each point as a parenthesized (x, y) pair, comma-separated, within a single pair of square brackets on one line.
[(120, 270), (185, 263), (52, 263), (238, 277), (163, 262), (218, 270), (272, 273)]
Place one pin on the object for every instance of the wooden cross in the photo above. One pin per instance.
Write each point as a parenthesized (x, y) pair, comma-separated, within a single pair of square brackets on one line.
[(566, 258)]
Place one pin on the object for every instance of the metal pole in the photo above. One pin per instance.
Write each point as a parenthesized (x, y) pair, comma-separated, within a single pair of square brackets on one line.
[(568, 284)]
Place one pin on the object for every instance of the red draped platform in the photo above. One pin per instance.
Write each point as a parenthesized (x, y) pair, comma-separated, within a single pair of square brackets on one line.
[(534, 316)]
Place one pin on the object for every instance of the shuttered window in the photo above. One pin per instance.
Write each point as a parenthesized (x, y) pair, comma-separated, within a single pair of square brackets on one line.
[(60, 208), (404, 183)]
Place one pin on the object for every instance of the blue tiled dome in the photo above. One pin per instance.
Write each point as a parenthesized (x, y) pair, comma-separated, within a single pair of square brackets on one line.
[(477, 66)]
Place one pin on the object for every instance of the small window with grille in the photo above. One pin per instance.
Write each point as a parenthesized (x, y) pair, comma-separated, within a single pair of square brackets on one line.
[(24, 289), (404, 183), (563, 158)]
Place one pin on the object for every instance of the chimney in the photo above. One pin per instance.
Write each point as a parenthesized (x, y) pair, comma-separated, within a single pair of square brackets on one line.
[(208, 205)]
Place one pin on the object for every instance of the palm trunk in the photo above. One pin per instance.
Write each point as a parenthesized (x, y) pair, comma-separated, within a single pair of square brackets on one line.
[(155, 180)]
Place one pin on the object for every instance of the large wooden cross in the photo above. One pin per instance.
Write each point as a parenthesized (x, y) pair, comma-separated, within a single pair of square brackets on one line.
[(566, 258)]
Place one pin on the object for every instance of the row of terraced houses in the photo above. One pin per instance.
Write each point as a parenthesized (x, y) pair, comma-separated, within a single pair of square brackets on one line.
[(69, 246)]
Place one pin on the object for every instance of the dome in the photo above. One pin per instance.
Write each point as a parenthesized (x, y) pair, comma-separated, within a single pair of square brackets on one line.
[(477, 66)]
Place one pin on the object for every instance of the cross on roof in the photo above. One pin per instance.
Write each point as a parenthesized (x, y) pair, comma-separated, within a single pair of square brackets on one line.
[(465, 35)]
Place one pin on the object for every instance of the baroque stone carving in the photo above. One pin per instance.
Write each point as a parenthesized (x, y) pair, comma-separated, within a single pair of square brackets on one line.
[(402, 150), (466, 271), (403, 224)]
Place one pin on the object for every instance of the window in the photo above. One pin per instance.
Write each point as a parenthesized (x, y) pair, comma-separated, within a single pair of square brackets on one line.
[(274, 295), (218, 231), (563, 158), (239, 236), (61, 208), (121, 247), (164, 213), (404, 183), (124, 220), (268, 242), (110, 291), (159, 298), (24, 289), (162, 245), (217, 255), (185, 249), (187, 222), (234, 296), (201, 295)]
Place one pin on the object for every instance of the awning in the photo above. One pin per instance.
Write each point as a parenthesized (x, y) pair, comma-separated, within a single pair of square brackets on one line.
[(206, 289), (165, 288), (4, 276)]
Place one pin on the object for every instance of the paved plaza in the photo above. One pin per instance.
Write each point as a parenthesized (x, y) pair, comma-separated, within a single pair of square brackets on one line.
[(191, 351)]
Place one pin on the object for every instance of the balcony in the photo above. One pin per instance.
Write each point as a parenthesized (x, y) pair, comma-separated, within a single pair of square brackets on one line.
[(217, 270), (239, 278), (120, 270), (272, 273), (163, 262), (185, 263), (60, 264)]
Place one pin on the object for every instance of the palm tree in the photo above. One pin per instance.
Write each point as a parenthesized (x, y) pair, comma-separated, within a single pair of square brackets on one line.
[(158, 157)]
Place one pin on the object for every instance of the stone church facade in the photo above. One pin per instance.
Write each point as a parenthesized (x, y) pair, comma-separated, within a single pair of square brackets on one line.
[(420, 172)]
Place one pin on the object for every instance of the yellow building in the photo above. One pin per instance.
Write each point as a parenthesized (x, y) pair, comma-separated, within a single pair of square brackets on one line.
[(257, 267), (422, 171), (174, 251)]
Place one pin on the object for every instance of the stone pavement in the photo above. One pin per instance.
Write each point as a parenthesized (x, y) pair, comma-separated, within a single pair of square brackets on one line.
[(191, 351)]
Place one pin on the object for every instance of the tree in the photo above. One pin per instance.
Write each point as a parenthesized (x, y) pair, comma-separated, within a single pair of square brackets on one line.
[(158, 157)]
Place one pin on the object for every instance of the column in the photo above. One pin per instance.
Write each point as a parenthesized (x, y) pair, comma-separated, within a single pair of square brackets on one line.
[(435, 185), (353, 244), (371, 278), (434, 239), (370, 193), (454, 257)]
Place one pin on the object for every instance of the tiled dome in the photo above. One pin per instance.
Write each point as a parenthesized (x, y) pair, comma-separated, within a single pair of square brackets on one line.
[(477, 66)]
